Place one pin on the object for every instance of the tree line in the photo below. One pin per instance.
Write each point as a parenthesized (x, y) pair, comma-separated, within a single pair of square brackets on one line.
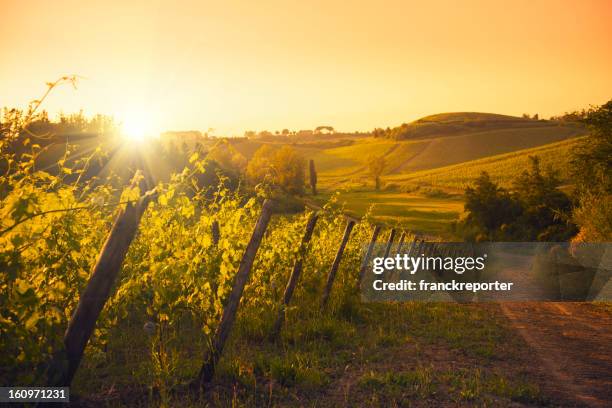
[(536, 209)]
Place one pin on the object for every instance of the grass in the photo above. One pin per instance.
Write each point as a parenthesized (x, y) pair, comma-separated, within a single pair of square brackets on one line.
[(382, 352), (503, 168), (415, 212), (344, 160), (463, 386), (458, 149), (418, 383)]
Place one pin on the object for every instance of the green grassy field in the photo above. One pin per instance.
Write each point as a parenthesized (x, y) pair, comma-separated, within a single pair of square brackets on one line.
[(345, 160), (410, 211), (374, 354)]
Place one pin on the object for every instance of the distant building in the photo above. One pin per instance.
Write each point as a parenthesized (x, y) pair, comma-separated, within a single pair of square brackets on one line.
[(306, 132)]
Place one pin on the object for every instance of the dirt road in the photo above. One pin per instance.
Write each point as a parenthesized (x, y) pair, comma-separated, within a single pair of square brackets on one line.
[(573, 344)]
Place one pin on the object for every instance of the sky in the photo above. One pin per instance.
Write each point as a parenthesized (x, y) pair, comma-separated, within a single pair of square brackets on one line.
[(267, 65)]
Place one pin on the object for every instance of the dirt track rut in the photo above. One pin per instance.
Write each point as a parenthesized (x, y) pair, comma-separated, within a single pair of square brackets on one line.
[(572, 342)]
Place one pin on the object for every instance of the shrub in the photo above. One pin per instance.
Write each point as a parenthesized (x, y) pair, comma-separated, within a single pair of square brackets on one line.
[(431, 192)]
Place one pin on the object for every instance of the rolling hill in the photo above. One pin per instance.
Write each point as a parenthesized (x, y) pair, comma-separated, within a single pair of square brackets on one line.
[(456, 123), (445, 151), (502, 168), (344, 164), (432, 142)]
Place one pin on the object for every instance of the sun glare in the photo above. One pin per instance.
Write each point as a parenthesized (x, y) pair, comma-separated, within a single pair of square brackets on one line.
[(137, 127)]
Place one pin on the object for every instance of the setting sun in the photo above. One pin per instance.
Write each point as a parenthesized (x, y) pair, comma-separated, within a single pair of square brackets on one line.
[(137, 127)]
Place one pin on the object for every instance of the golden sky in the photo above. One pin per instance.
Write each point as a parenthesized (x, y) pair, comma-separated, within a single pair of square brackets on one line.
[(238, 65)]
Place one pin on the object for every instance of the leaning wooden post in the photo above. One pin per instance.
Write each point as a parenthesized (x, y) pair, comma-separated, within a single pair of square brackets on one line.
[(215, 232), (389, 243), (400, 244), (229, 312), (413, 244), (445, 251), (423, 248), (295, 274), (105, 272), (368, 254), (419, 247), (334, 268)]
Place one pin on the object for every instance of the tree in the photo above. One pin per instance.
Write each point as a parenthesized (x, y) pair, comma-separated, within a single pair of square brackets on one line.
[(536, 210), (592, 169), (259, 167), (546, 209), (378, 132), (490, 208), (227, 157), (592, 162), (376, 166), (313, 177), (289, 168), (323, 130), (283, 168), (264, 134)]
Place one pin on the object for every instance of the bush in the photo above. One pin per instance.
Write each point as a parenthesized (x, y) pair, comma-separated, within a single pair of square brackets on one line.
[(410, 188), (283, 168), (391, 187), (535, 211), (431, 192), (594, 216)]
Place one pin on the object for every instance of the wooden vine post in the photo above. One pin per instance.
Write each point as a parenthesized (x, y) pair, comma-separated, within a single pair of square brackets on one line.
[(212, 355), (368, 255), (419, 248), (413, 244), (295, 275), (92, 300), (400, 244), (389, 243), (334, 268), (215, 232)]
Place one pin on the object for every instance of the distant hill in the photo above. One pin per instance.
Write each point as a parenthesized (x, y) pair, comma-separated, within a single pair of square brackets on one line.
[(470, 116), (503, 168), (457, 123), (443, 151), (408, 156), (442, 140)]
